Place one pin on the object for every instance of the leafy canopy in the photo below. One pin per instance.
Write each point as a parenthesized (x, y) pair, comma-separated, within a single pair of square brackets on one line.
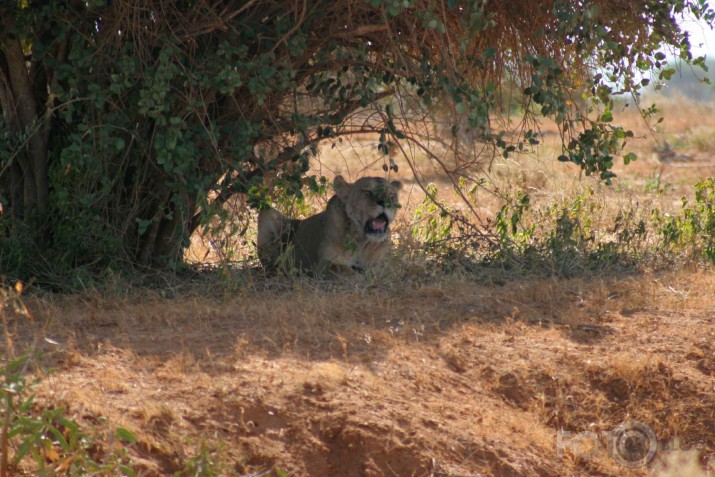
[(143, 117)]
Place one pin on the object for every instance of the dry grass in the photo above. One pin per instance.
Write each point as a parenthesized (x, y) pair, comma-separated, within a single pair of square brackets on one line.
[(448, 377), (407, 372)]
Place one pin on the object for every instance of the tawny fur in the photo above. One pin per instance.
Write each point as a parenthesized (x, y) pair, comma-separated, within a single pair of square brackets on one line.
[(336, 238)]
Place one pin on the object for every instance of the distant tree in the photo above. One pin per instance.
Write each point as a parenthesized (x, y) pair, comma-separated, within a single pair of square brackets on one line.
[(126, 124)]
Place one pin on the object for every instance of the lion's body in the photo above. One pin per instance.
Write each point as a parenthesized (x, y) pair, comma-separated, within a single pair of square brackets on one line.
[(353, 231)]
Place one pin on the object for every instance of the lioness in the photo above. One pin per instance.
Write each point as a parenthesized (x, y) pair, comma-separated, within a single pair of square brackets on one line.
[(353, 231)]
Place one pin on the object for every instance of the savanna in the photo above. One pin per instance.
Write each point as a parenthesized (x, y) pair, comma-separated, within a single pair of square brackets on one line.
[(546, 305)]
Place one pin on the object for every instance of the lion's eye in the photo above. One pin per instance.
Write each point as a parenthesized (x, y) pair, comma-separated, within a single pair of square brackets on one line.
[(392, 202)]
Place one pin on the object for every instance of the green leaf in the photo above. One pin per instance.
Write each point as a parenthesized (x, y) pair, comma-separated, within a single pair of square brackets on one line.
[(667, 73), (23, 450), (143, 225), (128, 470), (125, 436)]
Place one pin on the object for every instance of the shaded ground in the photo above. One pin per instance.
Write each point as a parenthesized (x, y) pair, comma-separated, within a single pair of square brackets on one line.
[(443, 378)]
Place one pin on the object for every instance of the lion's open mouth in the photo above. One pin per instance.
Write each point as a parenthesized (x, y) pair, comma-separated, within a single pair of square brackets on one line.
[(378, 225)]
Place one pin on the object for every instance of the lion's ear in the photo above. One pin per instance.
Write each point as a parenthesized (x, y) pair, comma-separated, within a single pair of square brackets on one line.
[(397, 185), (341, 186)]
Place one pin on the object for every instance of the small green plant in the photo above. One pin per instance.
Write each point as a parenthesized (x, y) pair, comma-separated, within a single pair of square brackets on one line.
[(693, 230), (37, 440), (285, 262), (654, 182), (211, 459), (433, 223), (509, 224), (206, 462)]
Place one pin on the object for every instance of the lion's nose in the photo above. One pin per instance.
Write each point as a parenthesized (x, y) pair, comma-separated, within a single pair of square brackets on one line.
[(381, 203)]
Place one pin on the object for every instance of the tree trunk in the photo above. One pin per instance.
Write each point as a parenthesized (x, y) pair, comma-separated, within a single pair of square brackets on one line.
[(22, 110), (164, 238)]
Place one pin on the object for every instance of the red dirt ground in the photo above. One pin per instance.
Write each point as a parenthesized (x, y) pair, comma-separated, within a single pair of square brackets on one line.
[(449, 378)]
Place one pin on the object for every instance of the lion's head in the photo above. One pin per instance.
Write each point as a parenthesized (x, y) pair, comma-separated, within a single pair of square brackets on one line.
[(370, 203)]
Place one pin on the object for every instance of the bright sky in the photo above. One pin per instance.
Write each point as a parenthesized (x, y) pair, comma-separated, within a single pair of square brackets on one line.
[(702, 38)]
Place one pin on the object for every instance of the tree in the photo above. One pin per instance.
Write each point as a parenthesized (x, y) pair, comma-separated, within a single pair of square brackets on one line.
[(127, 124)]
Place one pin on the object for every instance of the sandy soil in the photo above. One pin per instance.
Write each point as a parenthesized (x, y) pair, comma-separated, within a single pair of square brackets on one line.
[(448, 378)]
